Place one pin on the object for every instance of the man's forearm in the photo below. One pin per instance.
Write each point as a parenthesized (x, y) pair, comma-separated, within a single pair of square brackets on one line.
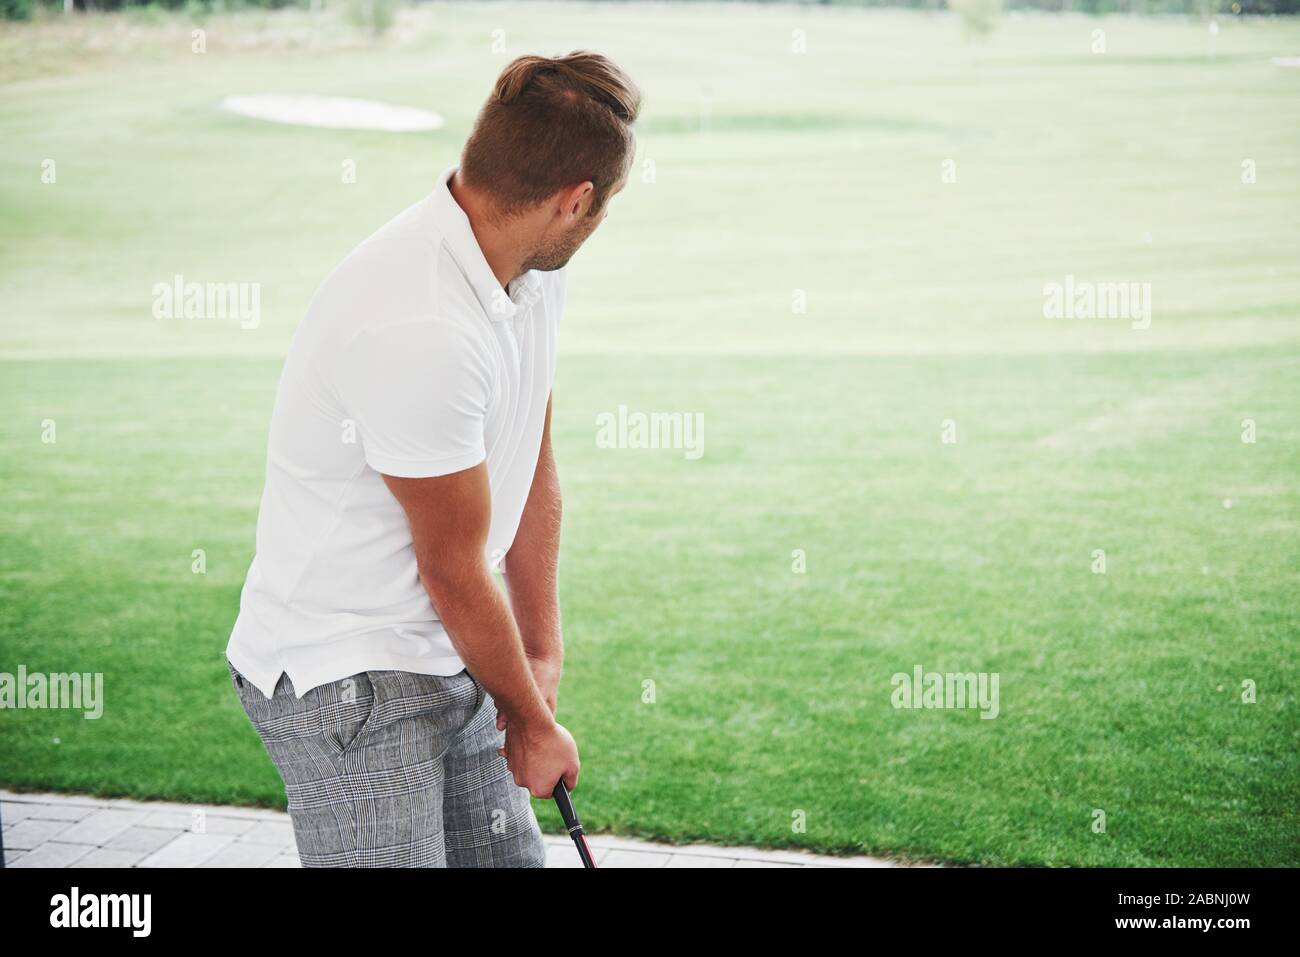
[(532, 565), (483, 632)]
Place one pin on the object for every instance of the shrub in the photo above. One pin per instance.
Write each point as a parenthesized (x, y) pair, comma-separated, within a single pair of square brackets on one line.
[(15, 9), (377, 15), (978, 17)]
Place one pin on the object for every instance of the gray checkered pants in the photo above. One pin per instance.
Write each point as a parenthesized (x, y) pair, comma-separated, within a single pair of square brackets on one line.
[(394, 769)]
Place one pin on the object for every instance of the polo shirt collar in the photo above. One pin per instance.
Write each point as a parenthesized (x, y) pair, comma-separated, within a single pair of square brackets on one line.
[(498, 303)]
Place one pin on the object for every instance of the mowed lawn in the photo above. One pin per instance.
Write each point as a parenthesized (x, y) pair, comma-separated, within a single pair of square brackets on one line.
[(716, 693)]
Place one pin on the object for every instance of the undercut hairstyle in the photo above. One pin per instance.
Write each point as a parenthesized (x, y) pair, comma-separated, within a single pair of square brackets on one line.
[(550, 123)]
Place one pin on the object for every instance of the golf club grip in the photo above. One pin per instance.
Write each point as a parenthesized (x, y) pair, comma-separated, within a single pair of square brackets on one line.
[(565, 804)]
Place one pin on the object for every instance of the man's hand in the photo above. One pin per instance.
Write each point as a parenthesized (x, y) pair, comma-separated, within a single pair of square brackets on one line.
[(546, 673), (539, 757)]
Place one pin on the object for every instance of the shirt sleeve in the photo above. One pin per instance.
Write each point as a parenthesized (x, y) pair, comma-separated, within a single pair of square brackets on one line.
[(418, 392)]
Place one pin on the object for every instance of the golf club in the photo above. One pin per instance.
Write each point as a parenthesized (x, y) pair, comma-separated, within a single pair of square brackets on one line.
[(565, 804)]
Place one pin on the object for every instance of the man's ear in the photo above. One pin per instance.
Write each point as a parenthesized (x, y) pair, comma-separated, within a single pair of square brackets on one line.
[(575, 201)]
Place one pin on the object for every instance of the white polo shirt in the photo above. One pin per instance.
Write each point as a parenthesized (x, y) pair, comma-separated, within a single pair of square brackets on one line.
[(411, 361)]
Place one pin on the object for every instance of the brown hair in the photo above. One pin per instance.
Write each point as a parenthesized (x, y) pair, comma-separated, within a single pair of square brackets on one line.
[(552, 122)]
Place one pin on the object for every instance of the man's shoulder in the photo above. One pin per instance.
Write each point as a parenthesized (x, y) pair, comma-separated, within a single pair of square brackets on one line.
[(389, 249), (397, 271)]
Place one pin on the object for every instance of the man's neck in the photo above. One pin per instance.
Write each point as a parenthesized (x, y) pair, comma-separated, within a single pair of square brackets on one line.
[(500, 245)]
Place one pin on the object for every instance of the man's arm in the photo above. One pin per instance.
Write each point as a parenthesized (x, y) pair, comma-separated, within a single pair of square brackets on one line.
[(532, 574), (450, 516)]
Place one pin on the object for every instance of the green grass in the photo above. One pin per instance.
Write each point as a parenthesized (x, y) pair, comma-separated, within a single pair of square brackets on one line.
[(1119, 692)]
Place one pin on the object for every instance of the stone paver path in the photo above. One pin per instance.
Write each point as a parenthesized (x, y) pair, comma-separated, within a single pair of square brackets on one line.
[(68, 830)]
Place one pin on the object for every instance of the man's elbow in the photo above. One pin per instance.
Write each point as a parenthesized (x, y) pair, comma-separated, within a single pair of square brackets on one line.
[(451, 585)]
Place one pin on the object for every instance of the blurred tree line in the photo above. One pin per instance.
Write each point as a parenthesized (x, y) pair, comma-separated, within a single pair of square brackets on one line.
[(22, 9)]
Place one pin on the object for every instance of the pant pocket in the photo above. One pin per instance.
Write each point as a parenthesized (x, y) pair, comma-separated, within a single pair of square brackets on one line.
[(348, 709)]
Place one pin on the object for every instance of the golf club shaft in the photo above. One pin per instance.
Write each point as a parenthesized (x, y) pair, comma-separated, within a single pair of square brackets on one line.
[(565, 804)]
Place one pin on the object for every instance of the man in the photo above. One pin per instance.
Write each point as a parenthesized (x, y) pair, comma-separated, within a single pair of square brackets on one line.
[(407, 701)]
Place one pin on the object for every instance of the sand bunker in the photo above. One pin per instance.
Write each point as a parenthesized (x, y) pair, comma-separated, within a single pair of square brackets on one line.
[(332, 112)]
